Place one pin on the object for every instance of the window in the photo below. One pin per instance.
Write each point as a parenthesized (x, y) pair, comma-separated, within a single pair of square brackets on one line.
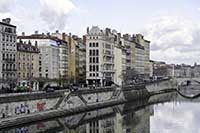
[(97, 52), (90, 44), (93, 68), (7, 38), (93, 52), (90, 68), (97, 59), (90, 75), (90, 52), (97, 44), (93, 59), (19, 65), (10, 38), (90, 60), (97, 68), (93, 44)]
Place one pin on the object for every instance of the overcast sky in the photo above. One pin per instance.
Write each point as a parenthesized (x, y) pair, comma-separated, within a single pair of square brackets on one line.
[(172, 26)]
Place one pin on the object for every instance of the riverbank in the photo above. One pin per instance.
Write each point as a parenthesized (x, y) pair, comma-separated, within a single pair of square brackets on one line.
[(34, 117)]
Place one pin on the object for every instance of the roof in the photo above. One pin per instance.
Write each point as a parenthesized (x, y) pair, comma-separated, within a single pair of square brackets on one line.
[(22, 47), (40, 36), (8, 24)]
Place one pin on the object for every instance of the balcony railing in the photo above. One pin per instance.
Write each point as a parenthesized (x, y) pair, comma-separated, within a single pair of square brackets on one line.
[(8, 60), (10, 70)]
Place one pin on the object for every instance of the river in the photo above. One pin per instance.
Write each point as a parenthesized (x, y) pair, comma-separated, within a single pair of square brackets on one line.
[(166, 113)]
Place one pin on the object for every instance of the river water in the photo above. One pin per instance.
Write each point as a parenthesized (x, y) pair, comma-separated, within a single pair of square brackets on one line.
[(167, 113)]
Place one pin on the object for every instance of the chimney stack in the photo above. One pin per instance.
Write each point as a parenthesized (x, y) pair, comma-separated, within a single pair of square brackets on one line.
[(36, 32), (63, 36), (23, 33), (88, 30), (36, 45), (6, 20)]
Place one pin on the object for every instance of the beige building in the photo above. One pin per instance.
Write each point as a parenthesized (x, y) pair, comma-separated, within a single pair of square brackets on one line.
[(49, 60), (27, 64), (73, 54)]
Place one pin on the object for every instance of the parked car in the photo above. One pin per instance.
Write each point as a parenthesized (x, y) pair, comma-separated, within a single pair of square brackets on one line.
[(49, 89)]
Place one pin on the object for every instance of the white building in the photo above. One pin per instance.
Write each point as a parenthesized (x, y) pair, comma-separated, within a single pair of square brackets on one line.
[(63, 60), (8, 50), (99, 56), (49, 54), (118, 78)]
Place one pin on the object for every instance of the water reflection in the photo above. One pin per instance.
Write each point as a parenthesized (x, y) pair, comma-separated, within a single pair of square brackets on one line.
[(166, 113)]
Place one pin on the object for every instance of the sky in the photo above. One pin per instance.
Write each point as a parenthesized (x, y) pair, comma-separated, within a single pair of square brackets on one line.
[(172, 26)]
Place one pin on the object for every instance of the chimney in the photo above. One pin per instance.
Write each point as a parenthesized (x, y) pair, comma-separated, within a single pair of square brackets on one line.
[(48, 33), (29, 42), (88, 30), (6, 20), (36, 32), (84, 40), (63, 36), (57, 31), (36, 45), (23, 33)]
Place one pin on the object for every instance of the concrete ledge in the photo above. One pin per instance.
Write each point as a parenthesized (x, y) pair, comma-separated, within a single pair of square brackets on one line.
[(14, 121), (29, 96)]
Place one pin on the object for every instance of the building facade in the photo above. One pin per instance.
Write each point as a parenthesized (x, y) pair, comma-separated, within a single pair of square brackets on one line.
[(110, 56), (27, 64), (8, 51), (63, 60), (49, 61), (99, 56), (81, 51)]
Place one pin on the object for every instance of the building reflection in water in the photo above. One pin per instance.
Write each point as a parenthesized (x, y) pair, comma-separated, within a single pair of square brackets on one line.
[(118, 119)]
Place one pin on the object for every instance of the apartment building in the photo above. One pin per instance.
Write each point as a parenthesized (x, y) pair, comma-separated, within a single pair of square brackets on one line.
[(81, 52), (27, 64), (73, 55), (49, 61), (109, 56), (138, 38), (8, 51), (99, 56)]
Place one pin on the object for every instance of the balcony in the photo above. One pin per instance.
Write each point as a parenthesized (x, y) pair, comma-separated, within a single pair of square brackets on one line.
[(109, 70), (108, 54), (9, 70), (109, 62), (9, 60)]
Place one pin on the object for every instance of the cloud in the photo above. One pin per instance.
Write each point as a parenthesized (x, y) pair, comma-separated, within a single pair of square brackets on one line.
[(173, 39), (176, 117), (5, 5), (56, 13)]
